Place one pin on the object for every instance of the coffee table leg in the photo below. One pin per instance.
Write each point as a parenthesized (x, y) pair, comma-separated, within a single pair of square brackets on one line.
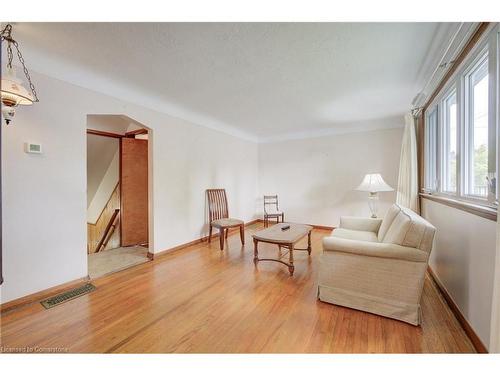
[(255, 251), (291, 267), (309, 242)]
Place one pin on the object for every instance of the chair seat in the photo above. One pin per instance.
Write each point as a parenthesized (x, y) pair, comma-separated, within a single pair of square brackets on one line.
[(350, 234), (225, 223), (273, 213)]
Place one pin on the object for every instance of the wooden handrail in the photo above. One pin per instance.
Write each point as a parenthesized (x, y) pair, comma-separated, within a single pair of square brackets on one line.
[(108, 232)]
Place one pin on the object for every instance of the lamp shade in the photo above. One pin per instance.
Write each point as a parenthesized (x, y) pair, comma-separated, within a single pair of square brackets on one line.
[(12, 91), (374, 183)]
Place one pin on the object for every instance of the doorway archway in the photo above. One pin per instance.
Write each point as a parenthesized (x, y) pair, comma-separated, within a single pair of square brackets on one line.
[(119, 178)]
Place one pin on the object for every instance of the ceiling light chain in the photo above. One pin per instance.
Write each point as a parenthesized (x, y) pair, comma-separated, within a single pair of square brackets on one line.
[(6, 35), (26, 73), (12, 90), (9, 55)]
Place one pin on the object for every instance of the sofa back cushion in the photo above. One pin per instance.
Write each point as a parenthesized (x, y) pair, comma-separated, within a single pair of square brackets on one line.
[(410, 229), (387, 221)]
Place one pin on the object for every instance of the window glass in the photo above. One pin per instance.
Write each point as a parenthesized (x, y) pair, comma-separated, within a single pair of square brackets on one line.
[(477, 135)]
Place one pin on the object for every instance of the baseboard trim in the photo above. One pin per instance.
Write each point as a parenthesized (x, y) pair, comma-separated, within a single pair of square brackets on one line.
[(154, 256), (474, 338), (320, 227), (38, 296), (43, 294)]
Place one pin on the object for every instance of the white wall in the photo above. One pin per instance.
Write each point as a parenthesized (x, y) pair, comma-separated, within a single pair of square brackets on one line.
[(100, 154), (315, 178), (104, 190), (463, 259), (44, 196), (495, 310)]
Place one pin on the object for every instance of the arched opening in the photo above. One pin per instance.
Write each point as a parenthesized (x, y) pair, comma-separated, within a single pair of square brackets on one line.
[(118, 193)]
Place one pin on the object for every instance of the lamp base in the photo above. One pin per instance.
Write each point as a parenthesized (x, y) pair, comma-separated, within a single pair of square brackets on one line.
[(373, 204)]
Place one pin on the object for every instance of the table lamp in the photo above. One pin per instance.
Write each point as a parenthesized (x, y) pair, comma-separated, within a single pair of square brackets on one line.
[(373, 183)]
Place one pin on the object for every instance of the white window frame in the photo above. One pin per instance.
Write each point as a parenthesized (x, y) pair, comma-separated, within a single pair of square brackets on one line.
[(490, 42), (431, 150), (443, 145), (468, 128)]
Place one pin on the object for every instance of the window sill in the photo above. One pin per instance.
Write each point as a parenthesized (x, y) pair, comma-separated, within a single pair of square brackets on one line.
[(489, 213)]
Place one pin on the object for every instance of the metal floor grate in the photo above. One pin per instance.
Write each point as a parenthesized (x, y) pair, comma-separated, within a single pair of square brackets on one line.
[(66, 296)]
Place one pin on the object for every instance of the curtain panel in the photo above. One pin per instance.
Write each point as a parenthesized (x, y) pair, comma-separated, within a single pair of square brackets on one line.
[(407, 192)]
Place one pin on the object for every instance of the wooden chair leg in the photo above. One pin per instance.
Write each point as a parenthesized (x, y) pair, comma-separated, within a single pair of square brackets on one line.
[(210, 234), (227, 231), (221, 238), (283, 217), (242, 234)]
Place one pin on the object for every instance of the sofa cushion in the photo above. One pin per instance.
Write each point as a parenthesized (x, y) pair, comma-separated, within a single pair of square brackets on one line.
[(420, 234), (350, 234), (388, 219), (397, 231), (411, 230)]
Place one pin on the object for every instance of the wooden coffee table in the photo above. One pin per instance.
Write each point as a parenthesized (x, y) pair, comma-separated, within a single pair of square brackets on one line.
[(282, 238)]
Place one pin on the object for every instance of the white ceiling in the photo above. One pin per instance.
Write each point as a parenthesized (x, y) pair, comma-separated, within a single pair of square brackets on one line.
[(256, 80)]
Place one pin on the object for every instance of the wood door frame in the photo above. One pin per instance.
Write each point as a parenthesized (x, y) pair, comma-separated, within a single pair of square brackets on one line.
[(104, 134)]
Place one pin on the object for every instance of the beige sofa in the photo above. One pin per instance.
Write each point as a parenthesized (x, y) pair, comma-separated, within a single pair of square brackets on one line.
[(377, 265)]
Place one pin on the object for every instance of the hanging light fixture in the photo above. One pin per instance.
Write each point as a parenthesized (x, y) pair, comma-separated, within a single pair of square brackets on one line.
[(13, 93)]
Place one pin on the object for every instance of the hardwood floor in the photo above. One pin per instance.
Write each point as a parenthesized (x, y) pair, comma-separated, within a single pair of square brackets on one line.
[(200, 299)]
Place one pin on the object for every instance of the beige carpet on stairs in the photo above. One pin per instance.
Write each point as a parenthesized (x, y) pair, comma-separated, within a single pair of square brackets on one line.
[(109, 261)]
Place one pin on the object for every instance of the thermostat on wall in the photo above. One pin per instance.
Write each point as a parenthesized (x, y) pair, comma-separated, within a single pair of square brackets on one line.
[(33, 148)]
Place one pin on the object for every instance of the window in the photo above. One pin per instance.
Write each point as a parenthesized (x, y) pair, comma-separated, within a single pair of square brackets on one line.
[(449, 156), (460, 150), (431, 127), (476, 130)]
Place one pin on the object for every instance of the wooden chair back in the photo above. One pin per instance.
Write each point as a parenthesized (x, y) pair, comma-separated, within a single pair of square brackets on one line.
[(270, 200), (217, 204)]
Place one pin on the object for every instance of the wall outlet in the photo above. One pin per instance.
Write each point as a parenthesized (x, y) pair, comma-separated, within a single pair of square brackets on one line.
[(33, 148)]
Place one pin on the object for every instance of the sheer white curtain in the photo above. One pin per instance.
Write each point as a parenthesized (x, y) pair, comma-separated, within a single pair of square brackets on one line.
[(407, 193)]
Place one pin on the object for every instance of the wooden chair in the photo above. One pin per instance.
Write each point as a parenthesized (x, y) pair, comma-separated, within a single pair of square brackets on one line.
[(271, 210), (219, 216)]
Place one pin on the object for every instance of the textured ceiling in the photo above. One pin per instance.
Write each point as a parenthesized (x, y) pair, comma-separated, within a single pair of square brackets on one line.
[(254, 79)]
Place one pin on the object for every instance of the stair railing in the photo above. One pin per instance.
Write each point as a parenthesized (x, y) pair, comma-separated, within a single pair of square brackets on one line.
[(108, 232)]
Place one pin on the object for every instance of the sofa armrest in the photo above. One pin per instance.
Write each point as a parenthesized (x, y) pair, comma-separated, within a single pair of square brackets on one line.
[(374, 249), (360, 223)]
